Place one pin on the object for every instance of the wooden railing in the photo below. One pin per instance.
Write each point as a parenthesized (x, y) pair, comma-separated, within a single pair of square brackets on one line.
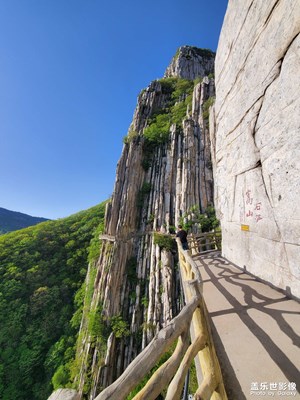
[(189, 326), (208, 370), (206, 241)]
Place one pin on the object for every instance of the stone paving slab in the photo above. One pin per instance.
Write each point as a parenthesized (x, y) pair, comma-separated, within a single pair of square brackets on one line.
[(256, 331)]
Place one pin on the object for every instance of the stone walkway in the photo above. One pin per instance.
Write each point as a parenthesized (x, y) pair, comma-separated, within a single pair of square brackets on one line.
[(256, 331)]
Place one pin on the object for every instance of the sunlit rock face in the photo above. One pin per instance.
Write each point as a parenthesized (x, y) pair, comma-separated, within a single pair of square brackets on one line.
[(257, 139), (191, 63)]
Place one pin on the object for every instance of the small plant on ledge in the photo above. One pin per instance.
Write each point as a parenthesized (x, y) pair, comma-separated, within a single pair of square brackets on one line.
[(164, 241)]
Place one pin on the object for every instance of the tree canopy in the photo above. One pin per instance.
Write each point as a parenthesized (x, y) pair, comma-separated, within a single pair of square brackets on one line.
[(41, 269)]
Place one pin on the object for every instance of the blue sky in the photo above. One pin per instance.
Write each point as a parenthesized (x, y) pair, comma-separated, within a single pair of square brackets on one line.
[(70, 73)]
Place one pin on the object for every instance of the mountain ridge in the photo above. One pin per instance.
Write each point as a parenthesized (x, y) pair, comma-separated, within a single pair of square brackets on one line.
[(15, 220)]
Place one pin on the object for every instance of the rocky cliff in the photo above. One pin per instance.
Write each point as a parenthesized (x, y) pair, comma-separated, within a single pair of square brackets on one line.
[(164, 171), (257, 141)]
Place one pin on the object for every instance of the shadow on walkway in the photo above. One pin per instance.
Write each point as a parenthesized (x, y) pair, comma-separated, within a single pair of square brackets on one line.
[(254, 328)]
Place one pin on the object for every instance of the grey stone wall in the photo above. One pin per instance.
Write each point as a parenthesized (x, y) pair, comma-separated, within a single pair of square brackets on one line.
[(257, 139)]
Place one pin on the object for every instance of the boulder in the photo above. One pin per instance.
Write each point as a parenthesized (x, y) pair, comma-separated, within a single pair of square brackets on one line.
[(64, 394)]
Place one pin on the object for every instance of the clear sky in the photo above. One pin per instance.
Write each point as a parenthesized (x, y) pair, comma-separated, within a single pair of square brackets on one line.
[(70, 73)]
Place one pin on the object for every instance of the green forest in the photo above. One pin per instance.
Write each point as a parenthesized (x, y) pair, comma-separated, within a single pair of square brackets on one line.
[(41, 270)]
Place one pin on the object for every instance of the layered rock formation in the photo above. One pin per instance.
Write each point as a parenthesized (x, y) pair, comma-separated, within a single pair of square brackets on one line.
[(136, 288), (257, 148)]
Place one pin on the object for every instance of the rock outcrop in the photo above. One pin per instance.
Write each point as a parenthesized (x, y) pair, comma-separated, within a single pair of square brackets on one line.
[(64, 394), (191, 62), (257, 143), (136, 287)]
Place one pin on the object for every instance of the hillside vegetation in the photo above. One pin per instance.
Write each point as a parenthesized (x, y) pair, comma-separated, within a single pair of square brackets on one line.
[(41, 269)]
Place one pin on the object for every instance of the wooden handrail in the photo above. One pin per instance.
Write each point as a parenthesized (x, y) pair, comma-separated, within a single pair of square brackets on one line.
[(192, 319), (143, 363), (209, 374), (206, 241)]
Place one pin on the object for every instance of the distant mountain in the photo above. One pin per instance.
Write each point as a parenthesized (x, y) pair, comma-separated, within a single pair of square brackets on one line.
[(13, 220)]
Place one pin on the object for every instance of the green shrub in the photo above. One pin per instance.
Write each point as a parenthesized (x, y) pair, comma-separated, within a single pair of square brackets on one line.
[(131, 270), (145, 301), (131, 136), (60, 378), (207, 220), (209, 102), (142, 194), (197, 80), (179, 113), (167, 84), (160, 362), (148, 150), (96, 325), (206, 53), (182, 87), (158, 131), (164, 241), (119, 326)]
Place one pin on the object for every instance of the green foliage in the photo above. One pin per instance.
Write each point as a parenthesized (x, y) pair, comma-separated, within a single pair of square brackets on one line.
[(180, 96), (164, 241), (131, 270), (178, 112), (148, 150), (60, 378), (193, 382), (143, 193), (130, 137), (119, 326), (41, 268), (181, 88), (97, 327), (161, 361), (168, 85), (158, 131), (197, 80), (209, 102), (94, 248), (205, 53), (206, 221), (145, 301)]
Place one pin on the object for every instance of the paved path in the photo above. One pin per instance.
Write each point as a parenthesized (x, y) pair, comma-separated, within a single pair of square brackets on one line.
[(256, 332)]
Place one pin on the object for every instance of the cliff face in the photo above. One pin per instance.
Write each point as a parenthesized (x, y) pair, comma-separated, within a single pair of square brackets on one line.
[(136, 288), (191, 62), (257, 139)]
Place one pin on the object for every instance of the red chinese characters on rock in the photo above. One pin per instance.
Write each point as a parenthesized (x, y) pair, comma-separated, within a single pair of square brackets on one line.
[(253, 208), (258, 216)]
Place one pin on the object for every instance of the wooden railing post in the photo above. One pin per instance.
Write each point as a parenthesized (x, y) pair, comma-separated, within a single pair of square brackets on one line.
[(208, 370)]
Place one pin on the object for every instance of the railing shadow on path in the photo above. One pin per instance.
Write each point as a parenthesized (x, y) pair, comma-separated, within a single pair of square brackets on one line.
[(220, 272)]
